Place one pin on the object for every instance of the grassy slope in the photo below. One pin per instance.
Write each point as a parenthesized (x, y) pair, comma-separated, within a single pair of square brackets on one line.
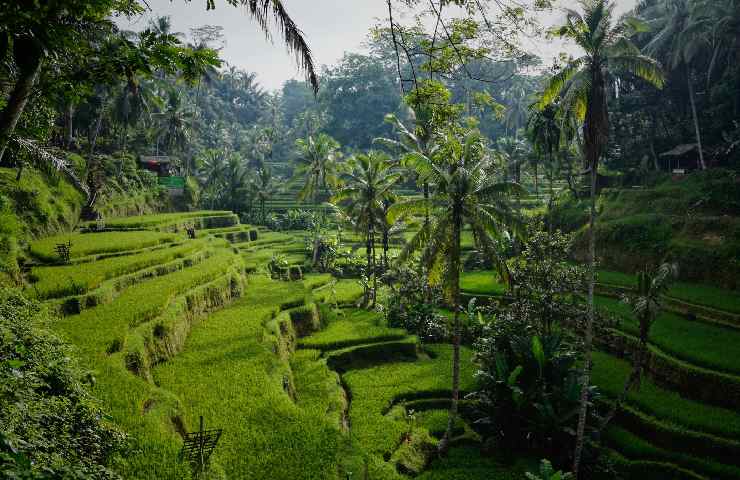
[(609, 373), (374, 389), (84, 244), (702, 344), (229, 373)]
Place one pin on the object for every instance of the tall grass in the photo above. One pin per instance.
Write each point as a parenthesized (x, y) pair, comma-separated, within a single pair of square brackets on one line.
[(84, 244), (702, 344)]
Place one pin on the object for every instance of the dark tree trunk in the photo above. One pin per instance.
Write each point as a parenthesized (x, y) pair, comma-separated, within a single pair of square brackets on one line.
[(596, 131), (385, 247), (695, 118), (69, 125), (28, 57), (369, 253), (444, 444)]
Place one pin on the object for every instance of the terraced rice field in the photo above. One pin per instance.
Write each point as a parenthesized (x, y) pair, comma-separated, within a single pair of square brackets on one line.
[(305, 385), (683, 422)]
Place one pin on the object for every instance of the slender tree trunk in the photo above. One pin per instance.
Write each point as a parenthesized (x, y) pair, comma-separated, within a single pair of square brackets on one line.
[(550, 205), (695, 117), (369, 253), (69, 125), (634, 377), (536, 180), (444, 444), (588, 341), (96, 129), (375, 274), (29, 72), (385, 247)]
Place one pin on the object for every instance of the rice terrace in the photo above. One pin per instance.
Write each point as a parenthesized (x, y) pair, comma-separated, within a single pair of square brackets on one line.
[(370, 239)]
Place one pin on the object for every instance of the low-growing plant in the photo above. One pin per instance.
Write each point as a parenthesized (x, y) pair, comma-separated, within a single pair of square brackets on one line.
[(529, 388), (50, 426), (411, 305)]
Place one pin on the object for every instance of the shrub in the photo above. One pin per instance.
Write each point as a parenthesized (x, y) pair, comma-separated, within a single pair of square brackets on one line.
[(409, 306), (528, 388), (48, 421)]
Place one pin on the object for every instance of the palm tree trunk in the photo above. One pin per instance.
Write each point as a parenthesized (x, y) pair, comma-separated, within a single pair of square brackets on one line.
[(29, 72), (369, 253), (695, 117), (375, 274), (634, 377), (68, 124), (385, 248), (444, 444), (588, 341), (536, 185)]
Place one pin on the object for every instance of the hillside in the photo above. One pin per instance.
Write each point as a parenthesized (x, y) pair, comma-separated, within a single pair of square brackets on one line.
[(693, 220)]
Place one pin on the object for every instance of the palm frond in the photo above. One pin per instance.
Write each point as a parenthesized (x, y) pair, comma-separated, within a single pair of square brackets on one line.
[(292, 35)]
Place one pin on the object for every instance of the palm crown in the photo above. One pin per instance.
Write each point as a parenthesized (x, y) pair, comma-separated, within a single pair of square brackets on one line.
[(608, 51)]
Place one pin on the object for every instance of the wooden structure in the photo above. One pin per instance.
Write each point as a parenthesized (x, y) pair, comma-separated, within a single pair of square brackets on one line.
[(64, 250), (198, 447), (168, 174)]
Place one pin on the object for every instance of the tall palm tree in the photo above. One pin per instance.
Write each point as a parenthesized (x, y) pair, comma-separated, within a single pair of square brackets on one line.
[(677, 42), (316, 165), (582, 86), (264, 188), (175, 126), (720, 19), (544, 132), (466, 193), (367, 186), (212, 174)]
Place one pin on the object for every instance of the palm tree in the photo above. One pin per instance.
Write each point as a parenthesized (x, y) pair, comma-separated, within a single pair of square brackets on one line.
[(466, 194), (582, 86), (543, 131), (316, 164), (677, 42), (721, 19), (212, 174), (646, 303), (175, 126), (367, 187), (264, 188)]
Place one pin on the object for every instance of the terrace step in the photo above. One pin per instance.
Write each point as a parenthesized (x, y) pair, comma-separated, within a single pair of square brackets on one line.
[(698, 383), (636, 448), (671, 437)]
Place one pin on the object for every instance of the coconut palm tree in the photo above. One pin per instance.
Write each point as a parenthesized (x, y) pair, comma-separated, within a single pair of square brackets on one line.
[(544, 132), (367, 186), (175, 126), (316, 165), (466, 193), (677, 42), (264, 188), (582, 87)]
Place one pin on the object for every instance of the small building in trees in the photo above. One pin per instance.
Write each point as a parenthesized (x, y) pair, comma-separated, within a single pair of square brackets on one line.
[(681, 159), (168, 174)]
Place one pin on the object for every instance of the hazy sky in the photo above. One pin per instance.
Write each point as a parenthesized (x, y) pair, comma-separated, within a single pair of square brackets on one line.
[(331, 28)]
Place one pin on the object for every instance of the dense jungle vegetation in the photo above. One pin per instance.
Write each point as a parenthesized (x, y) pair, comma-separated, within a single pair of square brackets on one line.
[(440, 257)]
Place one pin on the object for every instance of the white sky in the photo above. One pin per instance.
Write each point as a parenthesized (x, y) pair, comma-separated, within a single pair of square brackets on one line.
[(331, 28)]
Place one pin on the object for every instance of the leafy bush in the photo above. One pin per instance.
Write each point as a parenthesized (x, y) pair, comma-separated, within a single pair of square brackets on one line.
[(50, 427), (528, 388), (291, 220), (409, 306)]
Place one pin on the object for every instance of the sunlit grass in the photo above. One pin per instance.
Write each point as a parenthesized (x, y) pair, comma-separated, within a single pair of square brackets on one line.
[(699, 343), (84, 244), (609, 374)]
